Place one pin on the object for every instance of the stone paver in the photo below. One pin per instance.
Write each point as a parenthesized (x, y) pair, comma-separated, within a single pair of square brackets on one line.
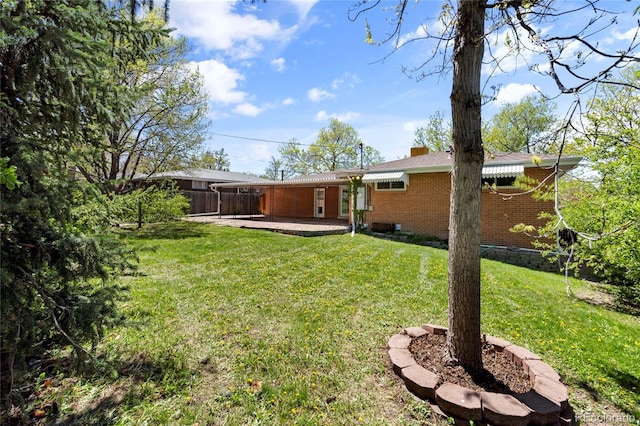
[(415, 331), (421, 381), (535, 368), (503, 410), (552, 390), (543, 410), (399, 341), (519, 354), (568, 416), (401, 358), (547, 404), (435, 329), (499, 344), (459, 401)]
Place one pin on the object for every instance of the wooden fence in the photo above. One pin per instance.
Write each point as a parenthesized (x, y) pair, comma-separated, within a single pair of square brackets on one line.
[(232, 203)]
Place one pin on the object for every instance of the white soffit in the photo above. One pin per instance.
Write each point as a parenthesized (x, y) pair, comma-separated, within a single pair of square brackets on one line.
[(385, 177), (502, 170)]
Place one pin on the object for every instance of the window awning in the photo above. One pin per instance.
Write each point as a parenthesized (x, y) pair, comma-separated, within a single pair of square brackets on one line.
[(502, 170), (385, 177)]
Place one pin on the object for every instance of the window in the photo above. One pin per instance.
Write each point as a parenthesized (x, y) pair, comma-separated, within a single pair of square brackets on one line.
[(499, 182), (199, 184), (501, 175), (390, 186)]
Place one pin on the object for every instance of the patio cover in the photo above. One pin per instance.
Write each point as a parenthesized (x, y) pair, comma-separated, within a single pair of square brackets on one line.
[(502, 170), (385, 177)]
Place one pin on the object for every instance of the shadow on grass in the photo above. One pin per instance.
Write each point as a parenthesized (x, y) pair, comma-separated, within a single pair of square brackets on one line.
[(623, 379), (167, 231), (119, 386)]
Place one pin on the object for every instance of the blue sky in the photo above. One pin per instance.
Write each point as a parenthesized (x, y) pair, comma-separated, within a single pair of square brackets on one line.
[(279, 71)]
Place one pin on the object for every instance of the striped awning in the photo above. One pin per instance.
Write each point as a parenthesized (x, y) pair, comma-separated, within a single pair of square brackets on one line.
[(385, 177), (502, 170)]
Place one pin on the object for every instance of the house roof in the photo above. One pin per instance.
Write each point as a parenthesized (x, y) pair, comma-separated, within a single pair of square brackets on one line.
[(497, 164), (206, 175), (441, 161), (337, 177)]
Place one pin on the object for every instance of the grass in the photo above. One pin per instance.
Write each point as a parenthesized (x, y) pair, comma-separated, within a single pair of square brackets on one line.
[(235, 326)]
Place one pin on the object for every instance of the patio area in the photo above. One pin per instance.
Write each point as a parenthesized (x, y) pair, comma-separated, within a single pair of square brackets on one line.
[(300, 227)]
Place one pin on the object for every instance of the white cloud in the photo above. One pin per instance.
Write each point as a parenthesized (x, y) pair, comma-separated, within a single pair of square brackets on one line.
[(247, 109), (303, 7), (418, 33), (348, 79), (317, 95), (288, 101), (502, 54), (260, 151), (216, 26), (345, 116), (221, 82), (411, 126), (514, 92), (625, 36), (278, 64)]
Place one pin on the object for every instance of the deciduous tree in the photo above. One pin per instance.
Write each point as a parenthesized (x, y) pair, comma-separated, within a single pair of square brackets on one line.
[(436, 135), (213, 160), (165, 124), (338, 146), (56, 96), (603, 207), (526, 126), (464, 29)]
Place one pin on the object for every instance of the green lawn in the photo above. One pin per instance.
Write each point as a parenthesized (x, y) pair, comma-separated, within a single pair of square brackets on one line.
[(236, 326)]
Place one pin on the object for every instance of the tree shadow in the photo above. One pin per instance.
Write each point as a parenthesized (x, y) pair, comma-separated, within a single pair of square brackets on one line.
[(125, 384), (603, 296), (625, 380), (167, 231)]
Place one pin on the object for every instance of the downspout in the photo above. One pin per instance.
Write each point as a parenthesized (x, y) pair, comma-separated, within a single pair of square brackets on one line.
[(215, 190), (352, 214), (352, 210)]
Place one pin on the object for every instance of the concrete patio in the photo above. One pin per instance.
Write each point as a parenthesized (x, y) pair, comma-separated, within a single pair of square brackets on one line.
[(300, 227)]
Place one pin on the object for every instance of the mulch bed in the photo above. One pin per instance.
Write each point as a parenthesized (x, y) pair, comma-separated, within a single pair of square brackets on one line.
[(500, 374)]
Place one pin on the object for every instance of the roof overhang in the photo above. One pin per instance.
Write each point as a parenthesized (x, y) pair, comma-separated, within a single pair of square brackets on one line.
[(302, 182), (396, 176)]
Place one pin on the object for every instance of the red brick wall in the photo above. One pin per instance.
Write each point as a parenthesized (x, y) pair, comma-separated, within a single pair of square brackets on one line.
[(424, 209), (298, 202)]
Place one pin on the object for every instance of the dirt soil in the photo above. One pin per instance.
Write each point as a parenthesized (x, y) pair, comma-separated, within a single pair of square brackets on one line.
[(500, 374)]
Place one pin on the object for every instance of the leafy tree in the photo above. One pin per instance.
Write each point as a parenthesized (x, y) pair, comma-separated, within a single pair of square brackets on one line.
[(56, 96), (436, 135), (604, 207), (8, 175), (276, 170), (464, 28), (338, 147), (525, 126), (165, 124), (213, 160)]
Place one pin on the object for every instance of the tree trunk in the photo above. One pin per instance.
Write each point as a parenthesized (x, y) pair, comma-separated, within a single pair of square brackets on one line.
[(463, 338)]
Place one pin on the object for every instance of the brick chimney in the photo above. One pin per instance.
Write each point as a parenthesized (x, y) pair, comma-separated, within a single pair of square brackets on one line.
[(419, 150)]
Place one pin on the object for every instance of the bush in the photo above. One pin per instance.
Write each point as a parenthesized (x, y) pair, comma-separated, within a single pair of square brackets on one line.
[(150, 205)]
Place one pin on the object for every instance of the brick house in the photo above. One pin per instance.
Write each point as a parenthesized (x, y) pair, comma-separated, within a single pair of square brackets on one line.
[(320, 196), (412, 195)]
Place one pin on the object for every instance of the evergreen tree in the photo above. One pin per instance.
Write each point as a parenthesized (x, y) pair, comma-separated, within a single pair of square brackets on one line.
[(56, 100)]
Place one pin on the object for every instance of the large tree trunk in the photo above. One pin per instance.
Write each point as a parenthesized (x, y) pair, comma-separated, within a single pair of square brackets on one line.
[(463, 338)]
